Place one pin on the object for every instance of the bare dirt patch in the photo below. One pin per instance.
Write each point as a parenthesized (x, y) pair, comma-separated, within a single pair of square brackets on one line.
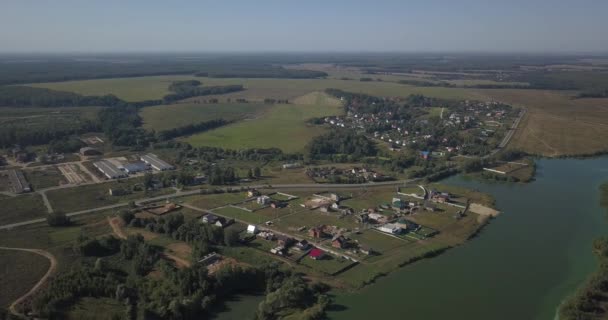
[(483, 210)]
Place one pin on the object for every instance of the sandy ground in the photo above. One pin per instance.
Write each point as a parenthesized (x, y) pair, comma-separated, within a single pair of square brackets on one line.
[(483, 210)]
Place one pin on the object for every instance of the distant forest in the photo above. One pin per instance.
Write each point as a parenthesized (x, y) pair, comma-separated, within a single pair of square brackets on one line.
[(32, 69)]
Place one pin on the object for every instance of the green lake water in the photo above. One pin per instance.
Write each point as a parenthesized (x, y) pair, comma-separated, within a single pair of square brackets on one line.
[(521, 266)]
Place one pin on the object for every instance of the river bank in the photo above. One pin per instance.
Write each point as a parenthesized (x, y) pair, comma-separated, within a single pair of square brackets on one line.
[(521, 266)]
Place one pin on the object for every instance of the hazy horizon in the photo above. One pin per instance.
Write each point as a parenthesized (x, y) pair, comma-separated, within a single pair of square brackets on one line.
[(472, 26)]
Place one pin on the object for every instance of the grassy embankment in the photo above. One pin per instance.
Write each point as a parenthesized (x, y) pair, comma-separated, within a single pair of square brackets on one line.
[(590, 302)]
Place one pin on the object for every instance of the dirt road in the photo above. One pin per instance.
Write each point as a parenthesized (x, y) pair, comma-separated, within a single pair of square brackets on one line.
[(52, 268)]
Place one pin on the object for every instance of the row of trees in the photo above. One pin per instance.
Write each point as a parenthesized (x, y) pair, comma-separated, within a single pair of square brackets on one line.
[(23, 96), (191, 129), (27, 135), (263, 71), (186, 89), (345, 142)]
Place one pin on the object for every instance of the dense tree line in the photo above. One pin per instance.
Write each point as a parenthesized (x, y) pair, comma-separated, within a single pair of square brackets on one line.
[(222, 175), (191, 129), (65, 145), (341, 142), (191, 88), (11, 135), (594, 93), (23, 96), (121, 126), (252, 71)]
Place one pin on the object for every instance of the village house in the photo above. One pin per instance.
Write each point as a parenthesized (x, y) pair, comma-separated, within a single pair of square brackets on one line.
[(362, 217), (366, 250), (210, 218), (441, 197), (317, 232), (263, 200), (316, 254), (339, 242), (378, 217), (285, 241), (252, 229), (278, 204), (266, 235), (302, 245), (223, 222), (280, 250), (390, 228)]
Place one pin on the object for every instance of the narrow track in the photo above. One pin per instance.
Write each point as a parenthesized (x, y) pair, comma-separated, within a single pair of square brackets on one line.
[(52, 268)]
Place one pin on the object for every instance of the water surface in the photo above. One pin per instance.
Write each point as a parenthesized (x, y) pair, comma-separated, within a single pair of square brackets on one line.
[(520, 267)]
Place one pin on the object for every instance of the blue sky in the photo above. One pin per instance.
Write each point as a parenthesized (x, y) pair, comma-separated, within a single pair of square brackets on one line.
[(304, 25)]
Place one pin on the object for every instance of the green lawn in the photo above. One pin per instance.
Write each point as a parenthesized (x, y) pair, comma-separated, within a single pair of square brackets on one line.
[(378, 241), (310, 218), (211, 201), (328, 265), (171, 116), (282, 126), (240, 214)]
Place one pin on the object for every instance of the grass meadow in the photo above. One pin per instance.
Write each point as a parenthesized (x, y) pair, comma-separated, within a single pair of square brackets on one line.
[(129, 89), (546, 130), (282, 126), (171, 116), (19, 272)]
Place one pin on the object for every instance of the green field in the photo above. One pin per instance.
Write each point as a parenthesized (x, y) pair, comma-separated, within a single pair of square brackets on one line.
[(46, 119), (171, 116), (96, 195), (378, 241), (21, 208), (155, 87), (19, 272), (328, 265), (44, 178), (129, 89), (215, 200), (240, 214), (282, 126)]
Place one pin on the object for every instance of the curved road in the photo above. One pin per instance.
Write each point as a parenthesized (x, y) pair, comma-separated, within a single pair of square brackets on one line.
[(52, 268)]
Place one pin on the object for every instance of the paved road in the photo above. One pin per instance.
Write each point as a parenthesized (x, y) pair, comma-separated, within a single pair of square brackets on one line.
[(194, 192)]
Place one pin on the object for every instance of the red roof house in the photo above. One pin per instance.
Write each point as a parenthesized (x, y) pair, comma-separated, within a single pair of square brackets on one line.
[(316, 254)]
